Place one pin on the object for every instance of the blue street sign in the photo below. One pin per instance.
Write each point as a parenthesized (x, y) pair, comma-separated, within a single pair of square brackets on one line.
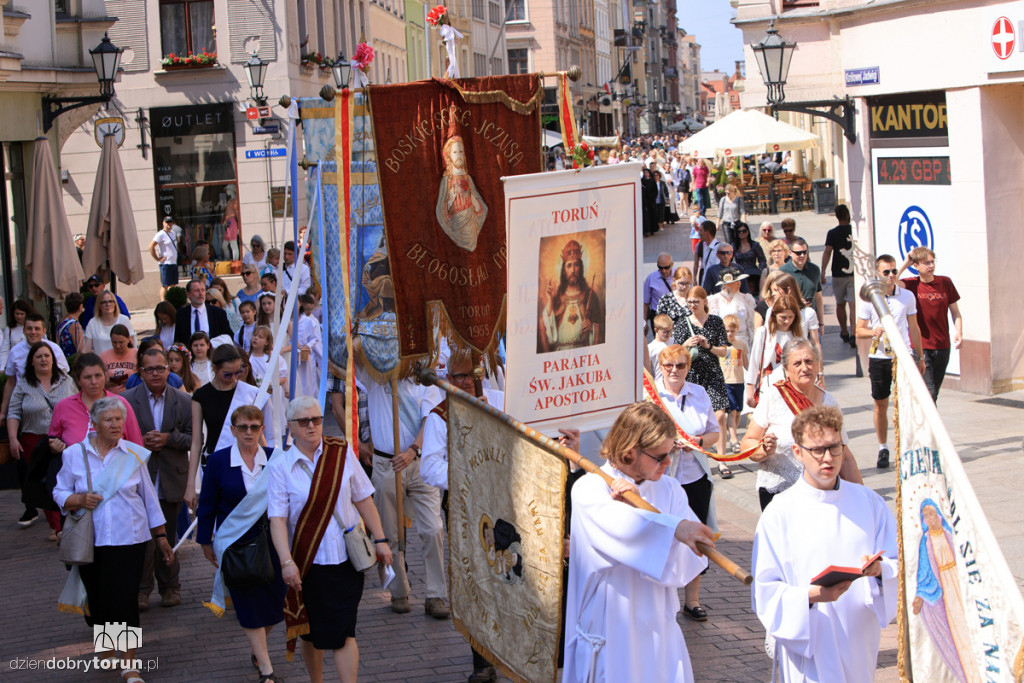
[(866, 76), (264, 153), (264, 130), (915, 231)]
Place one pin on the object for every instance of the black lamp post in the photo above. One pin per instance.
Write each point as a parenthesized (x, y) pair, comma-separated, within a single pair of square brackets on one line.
[(255, 73), (773, 56), (105, 59)]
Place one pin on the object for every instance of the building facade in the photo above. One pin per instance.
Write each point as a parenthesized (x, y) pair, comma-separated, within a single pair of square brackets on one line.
[(932, 124), (689, 74)]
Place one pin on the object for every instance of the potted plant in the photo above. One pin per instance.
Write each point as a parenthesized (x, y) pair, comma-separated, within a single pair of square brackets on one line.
[(173, 62)]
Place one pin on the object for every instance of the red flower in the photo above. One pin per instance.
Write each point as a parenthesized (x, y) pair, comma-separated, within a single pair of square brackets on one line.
[(576, 164), (171, 55), (590, 154), (363, 56), (177, 60), (437, 15), (583, 146)]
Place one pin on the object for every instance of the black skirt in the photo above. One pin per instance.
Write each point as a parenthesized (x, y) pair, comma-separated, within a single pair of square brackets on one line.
[(112, 584), (331, 593)]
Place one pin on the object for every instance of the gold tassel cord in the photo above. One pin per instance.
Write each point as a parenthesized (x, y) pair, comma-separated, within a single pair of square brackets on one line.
[(500, 96), (902, 656)]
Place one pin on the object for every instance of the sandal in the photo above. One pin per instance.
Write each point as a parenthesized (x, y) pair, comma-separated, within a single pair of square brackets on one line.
[(696, 613), (270, 678), (724, 471), (131, 679)]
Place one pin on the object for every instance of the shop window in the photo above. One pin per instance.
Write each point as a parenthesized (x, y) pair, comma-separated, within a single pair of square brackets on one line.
[(196, 175), (187, 27), (519, 61)]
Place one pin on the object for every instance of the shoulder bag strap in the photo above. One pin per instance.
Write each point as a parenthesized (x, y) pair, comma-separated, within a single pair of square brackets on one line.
[(88, 474)]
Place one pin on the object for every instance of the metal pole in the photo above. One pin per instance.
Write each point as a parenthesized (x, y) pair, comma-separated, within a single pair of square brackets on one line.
[(427, 376), (399, 503)]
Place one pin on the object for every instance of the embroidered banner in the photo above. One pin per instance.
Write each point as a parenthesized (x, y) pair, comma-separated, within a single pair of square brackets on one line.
[(505, 520), (442, 148), (960, 603), (573, 346)]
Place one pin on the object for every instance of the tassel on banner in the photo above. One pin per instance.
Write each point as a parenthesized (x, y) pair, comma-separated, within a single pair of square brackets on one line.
[(570, 136)]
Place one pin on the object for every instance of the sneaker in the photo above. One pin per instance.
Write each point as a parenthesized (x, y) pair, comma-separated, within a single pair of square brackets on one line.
[(28, 518), (170, 598), (53, 536), (883, 459), (436, 608), (487, 674), (400, 605), (143, 602)]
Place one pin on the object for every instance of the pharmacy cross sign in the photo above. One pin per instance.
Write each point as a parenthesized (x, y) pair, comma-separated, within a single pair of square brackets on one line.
[(1002, 38)]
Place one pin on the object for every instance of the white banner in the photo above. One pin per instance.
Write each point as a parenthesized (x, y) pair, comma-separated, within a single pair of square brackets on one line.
[(574, 343), (964, 613)]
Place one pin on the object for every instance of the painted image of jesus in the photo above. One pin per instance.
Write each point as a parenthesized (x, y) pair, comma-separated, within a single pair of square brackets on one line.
[(571, 304), (460, 208), (938, 601)]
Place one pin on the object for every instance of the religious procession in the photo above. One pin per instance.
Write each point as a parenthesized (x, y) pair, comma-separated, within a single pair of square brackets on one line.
[(506, 405)]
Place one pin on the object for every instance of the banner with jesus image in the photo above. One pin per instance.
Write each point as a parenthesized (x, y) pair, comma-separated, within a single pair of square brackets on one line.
[(573, 345)]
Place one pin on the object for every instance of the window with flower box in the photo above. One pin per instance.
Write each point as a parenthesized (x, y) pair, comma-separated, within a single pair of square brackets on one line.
[(187, 29)]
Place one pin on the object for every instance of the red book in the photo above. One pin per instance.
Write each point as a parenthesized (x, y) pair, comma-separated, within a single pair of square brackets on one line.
[(832, 574)]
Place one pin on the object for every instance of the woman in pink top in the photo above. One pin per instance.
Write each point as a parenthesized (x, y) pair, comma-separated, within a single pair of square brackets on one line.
[(70, 423), (119, 360), (700, 174)]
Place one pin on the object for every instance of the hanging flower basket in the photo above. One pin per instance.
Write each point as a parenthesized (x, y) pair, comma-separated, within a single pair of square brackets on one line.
[(173, 62)]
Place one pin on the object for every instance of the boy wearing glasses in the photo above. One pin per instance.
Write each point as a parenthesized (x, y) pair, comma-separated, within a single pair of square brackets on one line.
[(824, 633), (936, 298), (869, 326)]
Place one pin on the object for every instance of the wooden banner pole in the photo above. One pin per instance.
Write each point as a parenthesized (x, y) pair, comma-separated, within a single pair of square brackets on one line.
[(427, 376), (399, 503)]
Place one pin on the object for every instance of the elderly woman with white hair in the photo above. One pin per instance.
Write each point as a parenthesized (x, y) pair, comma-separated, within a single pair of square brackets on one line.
[(107, 475), (324, 588)]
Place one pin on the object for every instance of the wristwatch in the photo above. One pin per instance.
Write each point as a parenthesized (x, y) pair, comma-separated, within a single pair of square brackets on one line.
[(417, 449)]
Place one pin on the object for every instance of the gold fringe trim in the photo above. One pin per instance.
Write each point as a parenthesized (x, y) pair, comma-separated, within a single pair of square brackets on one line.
[(69, 609), (500, 96), (902, 627), (490, 656), (442, 324), (217, 610), (1018, 664)]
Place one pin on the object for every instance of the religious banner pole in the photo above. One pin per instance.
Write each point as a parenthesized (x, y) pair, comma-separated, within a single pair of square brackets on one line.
[(427, 376), (399, 512)]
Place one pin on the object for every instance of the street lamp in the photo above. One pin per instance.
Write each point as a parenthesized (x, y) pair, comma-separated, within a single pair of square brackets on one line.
[(773, 56), (342, 71), (105, 59), (255, 72)]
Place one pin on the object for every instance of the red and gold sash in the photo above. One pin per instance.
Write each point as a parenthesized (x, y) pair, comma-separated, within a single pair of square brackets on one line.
[(309, 530), (795, 401), (651, 394), (441, 410)]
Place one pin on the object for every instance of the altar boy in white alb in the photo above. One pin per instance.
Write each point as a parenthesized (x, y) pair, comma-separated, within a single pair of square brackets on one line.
[(829, 635), (626, 565)]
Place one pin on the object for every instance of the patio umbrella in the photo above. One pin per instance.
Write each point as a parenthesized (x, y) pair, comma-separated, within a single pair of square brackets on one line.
[(112, 243), (744, 132), (50, 255)]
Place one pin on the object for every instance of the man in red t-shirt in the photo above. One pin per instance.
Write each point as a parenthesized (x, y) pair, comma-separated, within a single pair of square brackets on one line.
[(936, 299)]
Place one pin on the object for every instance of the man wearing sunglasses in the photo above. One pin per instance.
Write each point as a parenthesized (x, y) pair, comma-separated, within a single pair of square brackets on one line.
[(869, 326), (657, 285), (808, 276), (165, 420)]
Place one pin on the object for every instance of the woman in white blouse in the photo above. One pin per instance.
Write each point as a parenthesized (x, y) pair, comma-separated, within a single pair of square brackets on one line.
[(97, 333), (330, 587), (124, 520)]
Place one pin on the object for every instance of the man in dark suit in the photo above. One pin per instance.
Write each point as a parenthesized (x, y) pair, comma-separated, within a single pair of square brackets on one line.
[(165, 420), (199, 315)]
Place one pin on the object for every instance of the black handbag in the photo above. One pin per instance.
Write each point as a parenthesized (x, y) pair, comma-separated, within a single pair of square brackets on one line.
[(246, 562)]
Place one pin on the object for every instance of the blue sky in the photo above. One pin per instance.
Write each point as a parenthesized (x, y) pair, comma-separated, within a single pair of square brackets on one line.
[(721, 42)]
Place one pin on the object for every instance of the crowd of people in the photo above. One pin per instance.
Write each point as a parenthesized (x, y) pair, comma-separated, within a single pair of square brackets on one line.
[(147, 431)]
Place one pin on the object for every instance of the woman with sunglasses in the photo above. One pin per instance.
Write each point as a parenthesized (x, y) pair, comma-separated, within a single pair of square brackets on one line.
[(309, 535), (231, 478), (252, 288), (257, 256), (97, 332), (211, 405), (673, 304), (626, 565), (690, 408), (749, 256)]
